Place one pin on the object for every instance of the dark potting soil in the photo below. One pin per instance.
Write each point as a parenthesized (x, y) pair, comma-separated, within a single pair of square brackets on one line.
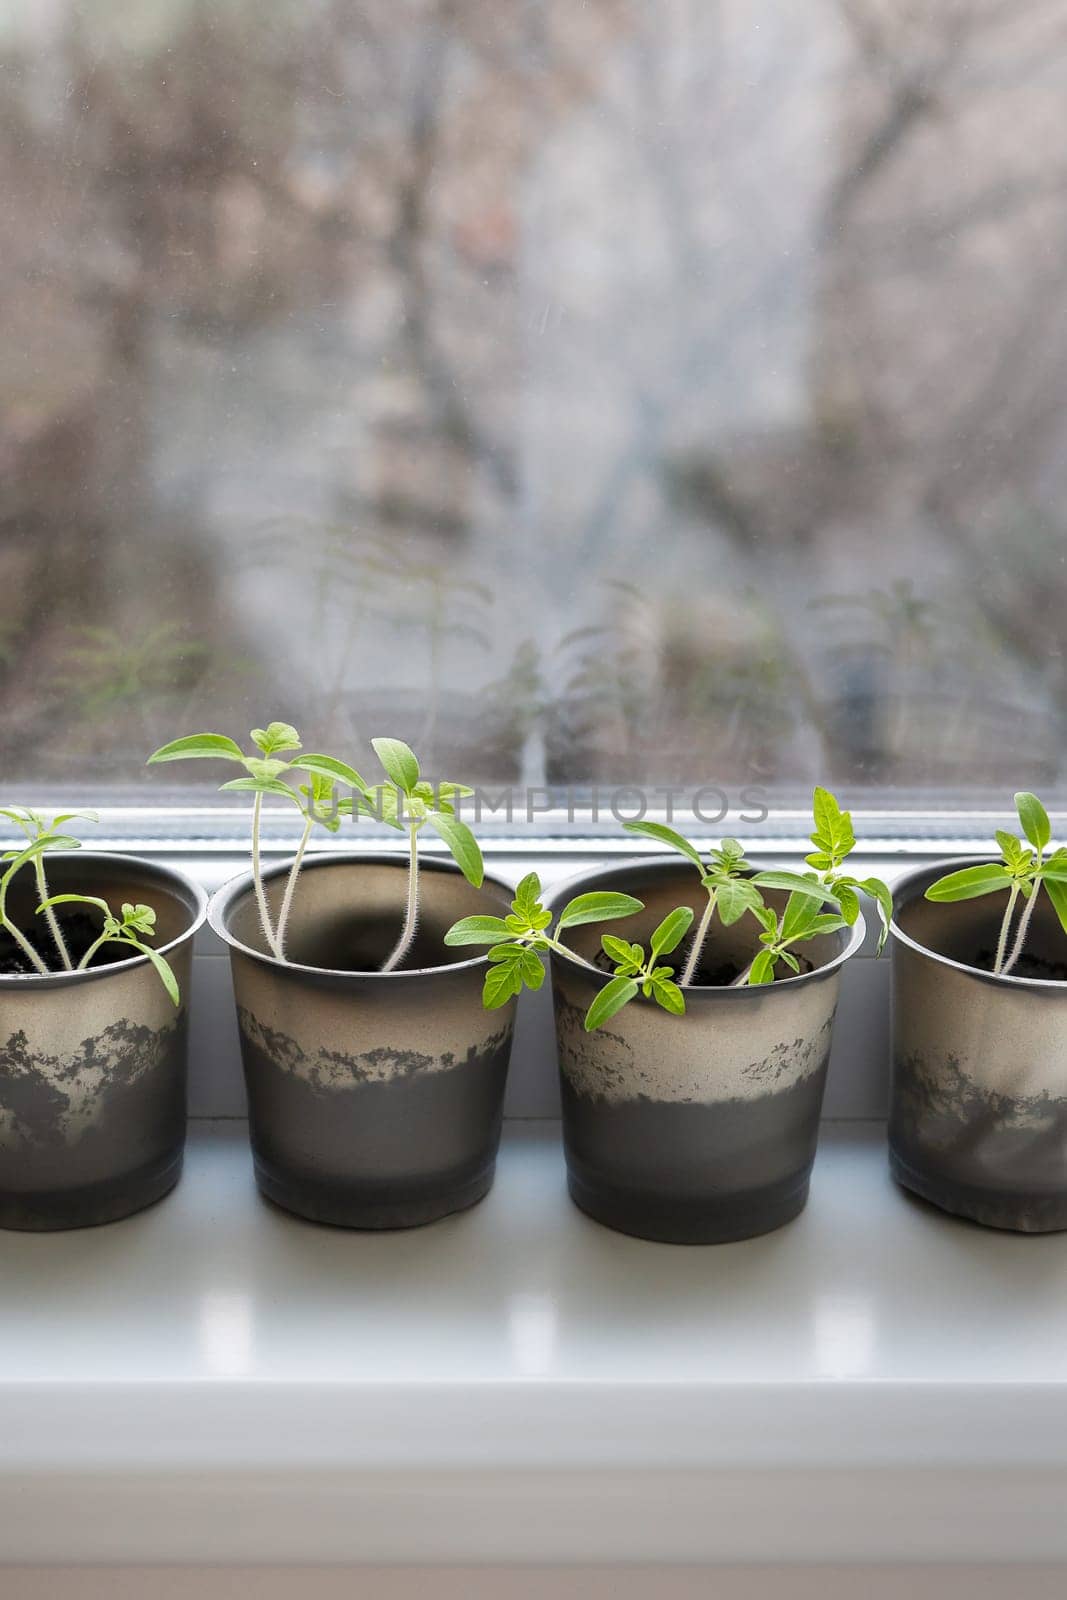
[(1027, 966), (79, 929)]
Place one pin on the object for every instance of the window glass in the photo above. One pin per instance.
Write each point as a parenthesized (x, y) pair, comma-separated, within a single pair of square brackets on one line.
[(625, 391)]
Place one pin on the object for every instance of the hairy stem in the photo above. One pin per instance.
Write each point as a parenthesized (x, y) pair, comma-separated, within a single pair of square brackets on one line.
[(697, 946), (290, 887), (411, 918), (90, 953), (1005, 928), (50, 916), (257, 879), (25, 946), (1024, 928)]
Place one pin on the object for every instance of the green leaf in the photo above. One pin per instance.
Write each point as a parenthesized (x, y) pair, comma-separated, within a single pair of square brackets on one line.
[(164, 969), (1034, 819), (198, 746), (832, 825), (969, 883), (399, 761), (328, 767), (790, 960), (826, 924), (528, 895), (261, 786), (1057, 893), (795, 883), (669, 996), (668, 836), (75, 899), (882, 896), (598, 906), (762, 969), (617, 949), (463, 845), (501, 982), (279, 736), (734, 897), (478, 930), (671, 931), (847, 899), (799, 917), (532, 970), (616, 994)]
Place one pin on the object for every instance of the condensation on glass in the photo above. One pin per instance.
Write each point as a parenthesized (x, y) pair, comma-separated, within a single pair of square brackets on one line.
[(622, 391)]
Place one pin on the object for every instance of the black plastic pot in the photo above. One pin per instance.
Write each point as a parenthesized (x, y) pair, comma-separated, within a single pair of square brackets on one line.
[(93, 1064), (978, 1113), (375, 1099), (697, 1129)]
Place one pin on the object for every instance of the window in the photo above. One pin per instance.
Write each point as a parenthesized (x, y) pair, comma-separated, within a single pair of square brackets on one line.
[(633, 391)]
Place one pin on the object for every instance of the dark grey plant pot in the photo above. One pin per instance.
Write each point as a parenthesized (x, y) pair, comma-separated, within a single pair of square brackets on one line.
[(375, 1099), (697, 1129), (978, 1112), (93, 1064)]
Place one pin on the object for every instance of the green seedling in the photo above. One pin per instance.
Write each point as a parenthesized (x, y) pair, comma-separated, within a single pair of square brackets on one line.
[(136, 925), (1024, 870), (801, 920), (636, 973), (265, 772), (518, 941), (42, 836), (408, 803), (731, 892), (834, 839)]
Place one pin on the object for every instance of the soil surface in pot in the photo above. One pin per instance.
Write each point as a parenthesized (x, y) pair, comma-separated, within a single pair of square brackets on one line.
[(1027, 966), (79, 929)]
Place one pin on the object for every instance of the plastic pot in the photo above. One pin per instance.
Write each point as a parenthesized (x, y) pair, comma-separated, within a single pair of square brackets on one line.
[(375, 1099), (93, 1064), (697, 1129), (978, 1110)]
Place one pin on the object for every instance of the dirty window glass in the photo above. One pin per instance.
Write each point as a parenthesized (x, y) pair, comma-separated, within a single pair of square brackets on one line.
[(615, 392)]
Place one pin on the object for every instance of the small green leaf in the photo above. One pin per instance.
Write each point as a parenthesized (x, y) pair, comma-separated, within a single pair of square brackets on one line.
[(198, 746), (800, 915), (969, 883), (463, 845), (762, 969), (669, 996), (328, 767), (598, 906), (1057, 893), (882, 896), (735, 896), (533, 973), (478, 930), (399, 761), (668, 836), (616, 994), (1034, 819), (617, 949), (528, 895), (164, 969), (501, 982), (795, 883), (75, 899), (279, 736), (671, 931), (261, 786)]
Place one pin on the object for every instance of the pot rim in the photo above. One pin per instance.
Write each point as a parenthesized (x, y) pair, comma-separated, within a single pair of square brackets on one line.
[(224, 899), (62, 979), (701, 993), (903, 892)]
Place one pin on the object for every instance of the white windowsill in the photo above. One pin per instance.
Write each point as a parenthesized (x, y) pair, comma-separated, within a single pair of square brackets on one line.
[(214, 1381)]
